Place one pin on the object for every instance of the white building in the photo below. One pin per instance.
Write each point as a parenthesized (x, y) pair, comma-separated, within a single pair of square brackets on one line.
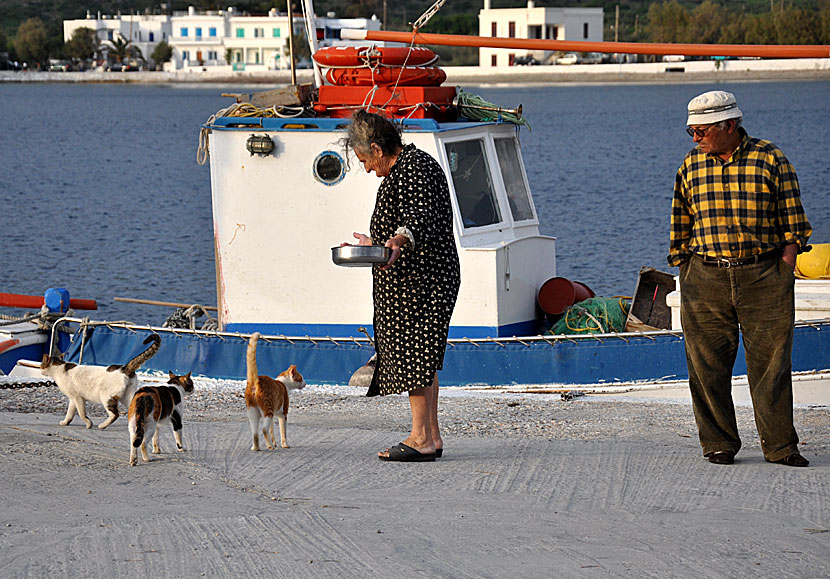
[(539, 23), (216, 38)]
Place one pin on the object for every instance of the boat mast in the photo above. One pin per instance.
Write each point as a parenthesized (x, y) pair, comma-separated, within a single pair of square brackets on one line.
[(311, 35)]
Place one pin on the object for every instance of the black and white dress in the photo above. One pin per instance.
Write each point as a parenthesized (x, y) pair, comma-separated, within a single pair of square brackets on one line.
[(413, 299)]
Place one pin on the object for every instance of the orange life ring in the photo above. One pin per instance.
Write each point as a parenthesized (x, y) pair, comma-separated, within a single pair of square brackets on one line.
[(371, 55), (386, 76)]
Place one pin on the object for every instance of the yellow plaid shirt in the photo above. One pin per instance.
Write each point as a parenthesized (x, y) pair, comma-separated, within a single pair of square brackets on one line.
[(748, 205)]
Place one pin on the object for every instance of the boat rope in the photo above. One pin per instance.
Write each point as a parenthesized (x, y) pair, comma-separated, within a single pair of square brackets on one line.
[(14, 320), (245, 110), (186, 318)]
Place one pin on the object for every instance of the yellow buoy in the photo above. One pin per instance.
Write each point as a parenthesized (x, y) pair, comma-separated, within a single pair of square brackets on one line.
[(814, 264)]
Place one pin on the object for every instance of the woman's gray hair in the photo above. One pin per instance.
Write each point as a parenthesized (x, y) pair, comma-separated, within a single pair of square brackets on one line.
[(368, 128)]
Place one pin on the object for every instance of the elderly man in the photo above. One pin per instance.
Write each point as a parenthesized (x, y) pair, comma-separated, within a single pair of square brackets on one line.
[(737, 224)]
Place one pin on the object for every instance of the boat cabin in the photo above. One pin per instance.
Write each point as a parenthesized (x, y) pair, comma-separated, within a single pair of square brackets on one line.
[(284, 194)]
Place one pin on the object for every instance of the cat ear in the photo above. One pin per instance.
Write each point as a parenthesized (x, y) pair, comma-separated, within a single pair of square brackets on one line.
[(188, 374), (171, 374)]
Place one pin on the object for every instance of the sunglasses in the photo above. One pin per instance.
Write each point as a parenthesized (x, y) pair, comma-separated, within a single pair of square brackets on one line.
[(698, 132)]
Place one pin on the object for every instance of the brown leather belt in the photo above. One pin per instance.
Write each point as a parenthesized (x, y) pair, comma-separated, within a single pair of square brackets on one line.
[(739, 262)]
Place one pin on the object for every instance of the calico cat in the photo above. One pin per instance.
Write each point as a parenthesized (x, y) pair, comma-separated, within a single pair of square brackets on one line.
[(108, 385), (265, 396), (153, 405)]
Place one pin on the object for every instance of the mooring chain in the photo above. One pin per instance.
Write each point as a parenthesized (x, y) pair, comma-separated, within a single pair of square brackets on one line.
[(19, 385)]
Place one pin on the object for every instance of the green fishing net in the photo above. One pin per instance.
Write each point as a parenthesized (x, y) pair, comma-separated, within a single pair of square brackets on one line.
[(593, 316), (475, 108)]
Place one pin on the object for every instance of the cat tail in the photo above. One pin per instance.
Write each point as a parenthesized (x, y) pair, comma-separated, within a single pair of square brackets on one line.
[(253, 373), (143, 408), (134, 364)]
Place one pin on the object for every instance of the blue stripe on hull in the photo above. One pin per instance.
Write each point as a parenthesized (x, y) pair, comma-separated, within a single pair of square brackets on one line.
[(10, 357), (351, 330), (562, 362)]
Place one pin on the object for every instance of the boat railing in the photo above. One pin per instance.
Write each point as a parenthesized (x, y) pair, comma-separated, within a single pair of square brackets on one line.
[(528, 341)]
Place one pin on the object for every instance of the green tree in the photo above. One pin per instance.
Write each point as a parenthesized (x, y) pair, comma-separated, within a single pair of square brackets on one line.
[(734, 30), (706, 23), (824, 24), (667, 22), (162, 53), (760, 29), (83, 45), (121, 48), (796, 26), (32, 42)]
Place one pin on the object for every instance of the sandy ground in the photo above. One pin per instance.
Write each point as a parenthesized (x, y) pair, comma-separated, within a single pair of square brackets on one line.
[(528, 487)]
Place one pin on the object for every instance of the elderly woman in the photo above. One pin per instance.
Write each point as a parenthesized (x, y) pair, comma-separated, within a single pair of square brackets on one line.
[(414, 292)]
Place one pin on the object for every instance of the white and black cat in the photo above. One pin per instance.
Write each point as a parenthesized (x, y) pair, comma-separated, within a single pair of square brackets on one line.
[(108, 385), (153, 405)]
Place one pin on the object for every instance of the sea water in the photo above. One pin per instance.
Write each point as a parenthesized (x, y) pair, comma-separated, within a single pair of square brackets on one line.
[(102, 193)]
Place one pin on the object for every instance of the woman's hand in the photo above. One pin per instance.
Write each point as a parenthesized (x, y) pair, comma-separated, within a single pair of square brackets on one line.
[(361, 239), (395, 244)]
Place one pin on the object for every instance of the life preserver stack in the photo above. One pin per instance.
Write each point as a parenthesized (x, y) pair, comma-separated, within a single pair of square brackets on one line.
[(397, 80)]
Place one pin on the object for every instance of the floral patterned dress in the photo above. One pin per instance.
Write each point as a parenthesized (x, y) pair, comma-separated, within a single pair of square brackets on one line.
[(414, 299)]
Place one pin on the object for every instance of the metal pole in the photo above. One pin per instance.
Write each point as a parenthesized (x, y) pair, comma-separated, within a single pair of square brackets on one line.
[(291, 43)]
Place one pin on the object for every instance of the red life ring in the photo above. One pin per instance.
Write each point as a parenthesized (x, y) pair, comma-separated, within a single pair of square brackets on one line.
[(371, 55), (386, 76)]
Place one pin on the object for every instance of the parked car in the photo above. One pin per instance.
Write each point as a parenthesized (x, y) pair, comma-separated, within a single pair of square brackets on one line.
[(591, 58), (569, 58), (526, 60), (674, 58)]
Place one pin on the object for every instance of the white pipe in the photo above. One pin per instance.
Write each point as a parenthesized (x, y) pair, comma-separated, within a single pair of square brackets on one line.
[(352, 34)]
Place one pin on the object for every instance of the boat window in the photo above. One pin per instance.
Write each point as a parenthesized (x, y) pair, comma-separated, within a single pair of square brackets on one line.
[(514, 183), (473, 185), (329, 168)]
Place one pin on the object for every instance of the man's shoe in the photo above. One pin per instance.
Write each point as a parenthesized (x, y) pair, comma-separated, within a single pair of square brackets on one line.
[(794, 459), (721, 457)]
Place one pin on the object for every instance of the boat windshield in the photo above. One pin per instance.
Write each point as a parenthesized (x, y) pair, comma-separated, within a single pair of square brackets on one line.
[(514, 183), (473, 186)]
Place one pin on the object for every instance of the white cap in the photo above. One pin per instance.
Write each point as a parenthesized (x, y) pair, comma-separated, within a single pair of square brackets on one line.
[(713, 107)]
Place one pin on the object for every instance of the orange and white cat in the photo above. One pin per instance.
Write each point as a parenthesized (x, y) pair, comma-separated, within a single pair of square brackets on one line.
[(153, 405), (265, 397)]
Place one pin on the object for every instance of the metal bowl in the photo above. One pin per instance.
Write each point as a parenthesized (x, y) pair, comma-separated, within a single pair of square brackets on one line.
[(360, 255)]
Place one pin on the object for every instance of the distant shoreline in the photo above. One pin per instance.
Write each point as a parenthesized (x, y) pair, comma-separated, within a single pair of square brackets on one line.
[(646, 73)]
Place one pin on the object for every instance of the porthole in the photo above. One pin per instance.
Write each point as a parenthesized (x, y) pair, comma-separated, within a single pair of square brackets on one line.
[(329, 168)]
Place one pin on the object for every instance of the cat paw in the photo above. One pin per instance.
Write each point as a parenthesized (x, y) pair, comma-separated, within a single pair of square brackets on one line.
[(180, 449), (156, 451), (89, 424), (255, 448), (65, 422), (284, 445)]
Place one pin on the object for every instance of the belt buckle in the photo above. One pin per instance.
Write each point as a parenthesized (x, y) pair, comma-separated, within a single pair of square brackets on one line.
[(723, 262)]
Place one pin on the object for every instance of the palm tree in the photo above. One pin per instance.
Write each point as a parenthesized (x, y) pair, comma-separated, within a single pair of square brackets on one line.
[(121, 48)]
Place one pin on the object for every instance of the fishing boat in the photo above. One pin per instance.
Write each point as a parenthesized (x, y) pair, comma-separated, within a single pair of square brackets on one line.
[(285, 194)]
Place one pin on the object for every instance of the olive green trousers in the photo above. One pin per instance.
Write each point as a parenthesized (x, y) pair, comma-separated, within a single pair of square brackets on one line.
[(717, 306)]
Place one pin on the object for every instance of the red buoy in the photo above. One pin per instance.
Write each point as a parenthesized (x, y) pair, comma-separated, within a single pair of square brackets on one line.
[(385, 76), (352, 56)]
